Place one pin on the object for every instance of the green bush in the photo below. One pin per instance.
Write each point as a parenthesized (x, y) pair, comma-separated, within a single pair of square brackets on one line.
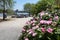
[(43, 29)]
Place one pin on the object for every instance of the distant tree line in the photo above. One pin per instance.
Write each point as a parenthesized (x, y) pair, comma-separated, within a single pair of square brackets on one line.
[(46, 5)]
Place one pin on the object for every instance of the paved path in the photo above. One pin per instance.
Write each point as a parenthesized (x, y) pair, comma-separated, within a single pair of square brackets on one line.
[(10, 30)]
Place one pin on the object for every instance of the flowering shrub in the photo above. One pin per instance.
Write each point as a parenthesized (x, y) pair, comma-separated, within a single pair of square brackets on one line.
[(43, 29)]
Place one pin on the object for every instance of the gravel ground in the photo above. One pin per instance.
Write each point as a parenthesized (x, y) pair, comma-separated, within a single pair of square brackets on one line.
[(11, 30)]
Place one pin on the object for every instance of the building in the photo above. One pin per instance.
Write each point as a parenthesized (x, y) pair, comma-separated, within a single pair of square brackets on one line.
[(21, 13)]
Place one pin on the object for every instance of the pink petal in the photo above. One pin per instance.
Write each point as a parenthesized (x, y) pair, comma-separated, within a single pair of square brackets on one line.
[(26, 39), (43, 29), (49, 30), (34, 34)]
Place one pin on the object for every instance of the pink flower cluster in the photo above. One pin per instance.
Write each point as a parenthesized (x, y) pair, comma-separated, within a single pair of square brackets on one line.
[(33, 21), (33, 24), (35, 27), (23, 30), (43, 30), (45, 22), (30, 22), (50, 19), (26, 39), (31, 31), (34, 34), (49, 30), (42, 13), (56, 18)]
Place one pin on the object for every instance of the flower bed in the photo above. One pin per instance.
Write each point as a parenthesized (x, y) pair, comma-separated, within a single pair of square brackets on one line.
[(46, 27)]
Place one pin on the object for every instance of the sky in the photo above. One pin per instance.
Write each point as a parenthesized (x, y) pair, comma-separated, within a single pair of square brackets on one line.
[(20, 3)]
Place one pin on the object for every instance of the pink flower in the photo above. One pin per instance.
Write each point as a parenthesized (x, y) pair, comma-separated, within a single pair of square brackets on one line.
[(50, 19), (43, 29), (28, 23), (49, 30), (34, 28), (33, 24), (31, 32), (41, 13), (26, 39), (56, 17), (37, 26), (34, 21), (43, 21), (48, 22), (23, 30), (34, 34)]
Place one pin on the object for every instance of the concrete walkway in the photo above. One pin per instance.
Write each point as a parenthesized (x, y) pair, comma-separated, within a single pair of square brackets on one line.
[(10, 30)]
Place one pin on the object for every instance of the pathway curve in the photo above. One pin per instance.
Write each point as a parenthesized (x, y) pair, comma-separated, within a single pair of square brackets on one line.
[(10, 30)]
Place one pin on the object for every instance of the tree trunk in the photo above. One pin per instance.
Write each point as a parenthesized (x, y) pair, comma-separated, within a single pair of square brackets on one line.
[(4, 10), (3, 14)]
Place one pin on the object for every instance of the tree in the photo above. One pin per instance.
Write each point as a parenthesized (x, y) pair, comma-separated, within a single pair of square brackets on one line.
[(10, 11), (57, 2), (33, 9), (27, 7), (6, 4), (42, 5)]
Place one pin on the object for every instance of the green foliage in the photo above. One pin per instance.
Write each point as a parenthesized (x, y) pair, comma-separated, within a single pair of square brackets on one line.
[(27, 7), (1, 10), (46, 29), (42, 5), (46, 17), (57, 2), (35, 8), (6, 4), (10, 11)]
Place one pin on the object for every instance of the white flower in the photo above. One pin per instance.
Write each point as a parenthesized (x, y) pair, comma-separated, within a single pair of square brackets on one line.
[(46, 13)]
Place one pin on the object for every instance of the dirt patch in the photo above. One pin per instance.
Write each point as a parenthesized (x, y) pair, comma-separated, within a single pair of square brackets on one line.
[(1, 20)]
